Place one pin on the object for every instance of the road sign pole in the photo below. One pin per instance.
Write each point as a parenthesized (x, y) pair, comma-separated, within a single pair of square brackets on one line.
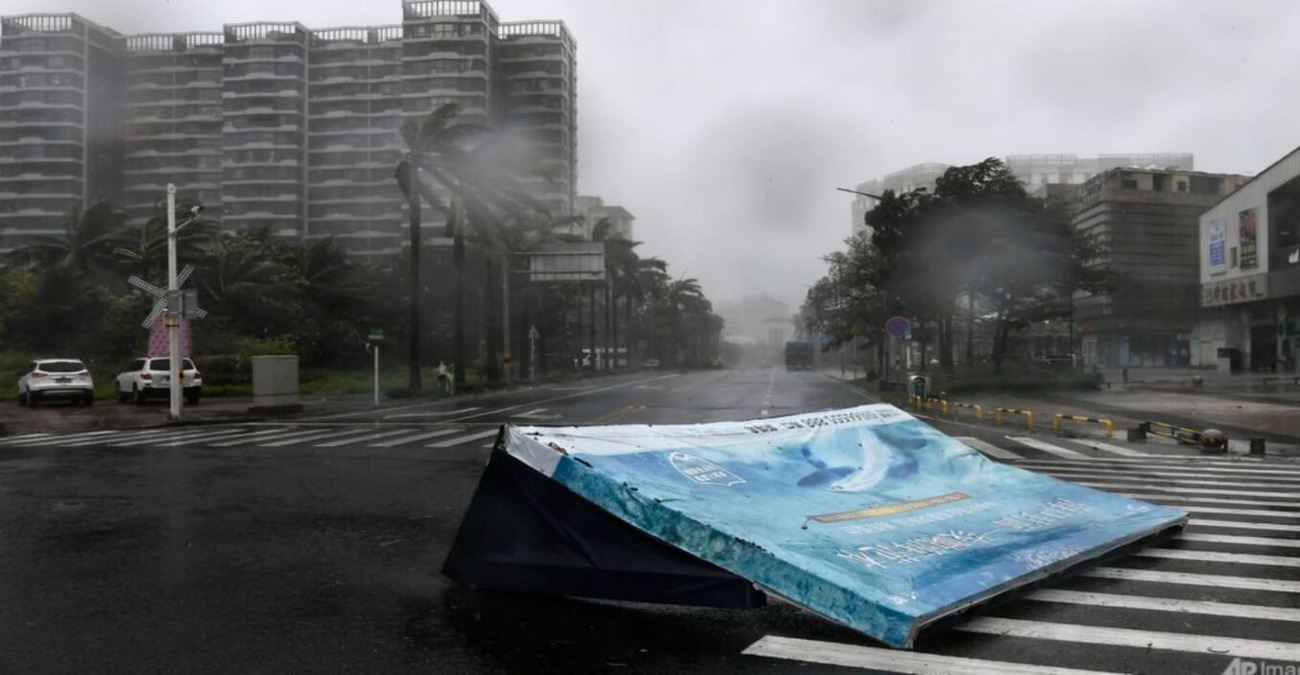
[(376, 374), (505, 317), (173, 317), (532, 353)]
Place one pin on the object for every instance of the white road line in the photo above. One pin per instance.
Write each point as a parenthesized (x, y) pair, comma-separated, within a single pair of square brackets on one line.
[(25, 437), (59, 440), (1238, 525), (462, 439), (1164, 478), (988, 448), (309, 436), (1193, 579), (1185, 462), (1182, 469), (361, 440), (1219, 557), (1129, 637), (893, 660), (442, 413), (1111, 448), (1206, 607), (269, 433), (1178, 490), (173, 442), (149, 439), (1277, 542), (1176, 499), (417, 437), (127, 435), (1047, 447)]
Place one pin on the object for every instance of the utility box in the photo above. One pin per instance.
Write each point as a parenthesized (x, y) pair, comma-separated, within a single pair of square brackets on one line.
[(918, 385), (275, 383)]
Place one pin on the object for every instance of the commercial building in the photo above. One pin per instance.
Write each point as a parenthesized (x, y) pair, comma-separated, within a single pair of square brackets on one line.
[(1146, 221), (1035, 171), (1250, 274), (271, 125)]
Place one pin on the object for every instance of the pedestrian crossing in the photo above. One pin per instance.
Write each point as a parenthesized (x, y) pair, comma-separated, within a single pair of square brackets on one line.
[(1225, 590), (270, 436)]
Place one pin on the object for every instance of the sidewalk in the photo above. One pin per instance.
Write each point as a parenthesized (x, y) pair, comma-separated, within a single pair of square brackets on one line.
[(1241, 406)]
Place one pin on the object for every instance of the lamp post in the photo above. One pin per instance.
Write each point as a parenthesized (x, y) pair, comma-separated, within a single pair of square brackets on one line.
[(174, 314)]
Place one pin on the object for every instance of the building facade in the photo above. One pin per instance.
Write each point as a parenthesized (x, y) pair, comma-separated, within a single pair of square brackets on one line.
[(594, 209), (271, 125), (1146, 221), (1035, 171), (1250, 274)]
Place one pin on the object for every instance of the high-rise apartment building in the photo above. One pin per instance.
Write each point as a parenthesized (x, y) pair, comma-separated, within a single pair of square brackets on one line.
[(60, 115), (271, 125)]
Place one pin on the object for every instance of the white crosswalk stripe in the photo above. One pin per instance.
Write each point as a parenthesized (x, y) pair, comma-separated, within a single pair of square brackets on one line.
[(402, 440), (988, 448), (1049, 448), (463, 439)]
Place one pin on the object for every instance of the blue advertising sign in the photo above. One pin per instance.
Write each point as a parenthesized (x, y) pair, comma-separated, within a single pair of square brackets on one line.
[(1218, 242), (866, 516)]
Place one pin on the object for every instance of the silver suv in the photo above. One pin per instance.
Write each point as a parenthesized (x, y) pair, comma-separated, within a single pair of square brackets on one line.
[(150, 376), (56, 378)]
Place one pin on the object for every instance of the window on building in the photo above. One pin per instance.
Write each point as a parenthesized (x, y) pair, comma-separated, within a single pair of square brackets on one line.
[(1158, 182), (1182, 186), (1128, 184)]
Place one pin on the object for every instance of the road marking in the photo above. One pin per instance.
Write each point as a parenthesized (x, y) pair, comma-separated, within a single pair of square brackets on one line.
[(1177, 499), (1111, 448), (442, 413), (417, 437), (462, 439), (1238, 525), (1187, 469), (1219, 557), (1207, 607), (361, 440), (256, 434), (22, 438), (1145, 476), (1176, 490), (150, 435), (613, 415), (311, 435), (56, 440), (893, 660), (988, 448), (1046, 447), (1194, 579), (536, 415), (1242, 465), (151, 439), (209, 436), (1240, 541), (1130, 637)]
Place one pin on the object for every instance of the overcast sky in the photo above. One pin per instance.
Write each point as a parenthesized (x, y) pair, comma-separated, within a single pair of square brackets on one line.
[(725, 126)]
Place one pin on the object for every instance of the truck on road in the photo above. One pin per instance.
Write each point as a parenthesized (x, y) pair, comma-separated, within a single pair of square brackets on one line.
[(798, 355)]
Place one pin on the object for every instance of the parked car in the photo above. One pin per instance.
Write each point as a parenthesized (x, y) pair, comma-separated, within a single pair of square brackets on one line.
[(150, 376), (650, 364), (56, 378)]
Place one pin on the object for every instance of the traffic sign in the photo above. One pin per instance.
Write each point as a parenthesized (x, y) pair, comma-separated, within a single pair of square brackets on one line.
[(376, 335), (898, 326)]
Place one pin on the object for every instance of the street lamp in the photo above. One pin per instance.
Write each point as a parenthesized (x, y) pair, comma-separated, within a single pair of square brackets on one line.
[(173, 314)]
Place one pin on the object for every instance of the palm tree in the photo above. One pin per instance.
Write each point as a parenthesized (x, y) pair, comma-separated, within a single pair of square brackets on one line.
[(247, 285), (143, 250), (684, 296), (86, 244), (430, 141)]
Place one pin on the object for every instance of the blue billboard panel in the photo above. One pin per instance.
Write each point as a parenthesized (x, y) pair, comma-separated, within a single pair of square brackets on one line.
[(866, 515)]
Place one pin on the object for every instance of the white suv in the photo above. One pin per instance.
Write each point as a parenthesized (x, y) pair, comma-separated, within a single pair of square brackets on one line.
[(56, 378), (151, 376)]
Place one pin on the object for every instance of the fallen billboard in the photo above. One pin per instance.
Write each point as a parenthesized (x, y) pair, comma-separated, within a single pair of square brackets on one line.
[(866, 516)]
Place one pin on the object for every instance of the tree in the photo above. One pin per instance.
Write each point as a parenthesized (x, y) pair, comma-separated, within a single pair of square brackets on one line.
[(86, 244), (979, 235)]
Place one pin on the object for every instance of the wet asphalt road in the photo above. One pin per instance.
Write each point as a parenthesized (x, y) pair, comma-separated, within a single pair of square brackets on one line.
[(188, 552)]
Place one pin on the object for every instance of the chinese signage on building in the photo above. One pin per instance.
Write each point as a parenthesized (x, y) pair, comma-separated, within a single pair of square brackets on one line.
[(1232, 291), (1249, 250), (1218, 241)]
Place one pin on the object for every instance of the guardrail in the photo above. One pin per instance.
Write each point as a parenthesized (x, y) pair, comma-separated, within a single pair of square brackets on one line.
[(1029, 415), (1181, 434), (1107, 424), (979, 410), (1295, 379)]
